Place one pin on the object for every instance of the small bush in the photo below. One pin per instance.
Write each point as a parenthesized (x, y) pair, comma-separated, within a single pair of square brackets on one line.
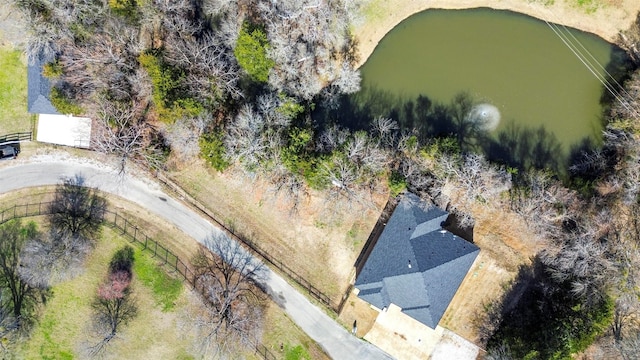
[(122, 260), (289, 107), (213, 151), (251, 53), (296, 353), (126, 8), (397, 183), (52, 70), (63, 104), (171, 99)]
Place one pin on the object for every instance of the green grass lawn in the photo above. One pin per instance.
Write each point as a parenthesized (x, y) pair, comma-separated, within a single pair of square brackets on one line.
[(13, 92), (165, 290), (64, 328)]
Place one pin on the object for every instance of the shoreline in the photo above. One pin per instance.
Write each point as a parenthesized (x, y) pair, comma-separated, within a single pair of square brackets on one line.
[(606, 21)]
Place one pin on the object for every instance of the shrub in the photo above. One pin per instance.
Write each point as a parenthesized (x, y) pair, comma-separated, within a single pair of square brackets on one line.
[(52, 70), (63, 104), (213, 151), (299, 160), (126, 8), (251, 53), (122, 260), (296, 353), (171, 99), (397, 183), (289, 107)]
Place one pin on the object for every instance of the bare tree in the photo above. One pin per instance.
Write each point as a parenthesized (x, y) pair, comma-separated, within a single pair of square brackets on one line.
[(121, 130), (308, 41), (114, 306), (76, 211), (22, 295), (228, 278), (50, 260), (244, 140), (183, 136), (583, 264), (385, 129)]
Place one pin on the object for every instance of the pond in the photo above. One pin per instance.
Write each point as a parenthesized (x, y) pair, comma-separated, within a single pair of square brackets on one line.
[(537, 97)]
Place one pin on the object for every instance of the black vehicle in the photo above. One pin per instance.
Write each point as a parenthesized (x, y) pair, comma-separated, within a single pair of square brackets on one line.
[(8, 152)]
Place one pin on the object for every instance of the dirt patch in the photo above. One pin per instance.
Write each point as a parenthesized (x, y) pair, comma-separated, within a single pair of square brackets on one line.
[(483, 283), (454, 347), (505, 244), (358, 311), (605, 18), (12, 26)]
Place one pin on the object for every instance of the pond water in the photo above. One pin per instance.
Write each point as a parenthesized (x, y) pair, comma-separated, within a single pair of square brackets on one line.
[(532, 86)]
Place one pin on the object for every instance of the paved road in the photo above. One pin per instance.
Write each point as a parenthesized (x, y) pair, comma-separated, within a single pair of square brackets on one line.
[(336, 341)]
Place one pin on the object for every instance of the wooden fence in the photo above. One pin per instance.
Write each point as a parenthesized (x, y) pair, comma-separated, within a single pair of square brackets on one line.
[(16, 137), (256, 249), (130, 231)]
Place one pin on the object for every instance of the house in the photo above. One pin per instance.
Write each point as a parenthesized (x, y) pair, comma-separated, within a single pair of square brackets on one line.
[(416, 265), (53, 127)]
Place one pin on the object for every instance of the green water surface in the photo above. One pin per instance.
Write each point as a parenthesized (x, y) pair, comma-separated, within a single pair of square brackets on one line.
[(512, 61)]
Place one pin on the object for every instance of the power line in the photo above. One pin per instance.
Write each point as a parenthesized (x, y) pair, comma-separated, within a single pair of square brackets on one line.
[(601, 77)]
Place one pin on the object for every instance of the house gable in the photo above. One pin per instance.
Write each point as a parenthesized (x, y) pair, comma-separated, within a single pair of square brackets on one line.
[(39, 89), (415, 264)]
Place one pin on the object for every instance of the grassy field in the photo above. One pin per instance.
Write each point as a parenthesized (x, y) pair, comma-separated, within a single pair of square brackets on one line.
[(319, 243), (63, 330), (13, 92)]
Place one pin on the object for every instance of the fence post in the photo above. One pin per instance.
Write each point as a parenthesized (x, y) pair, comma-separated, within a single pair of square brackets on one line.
[(135, 232), (155, 250)]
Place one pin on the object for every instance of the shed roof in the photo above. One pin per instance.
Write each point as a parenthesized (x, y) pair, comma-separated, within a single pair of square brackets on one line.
[(415, 264), (39, 89)]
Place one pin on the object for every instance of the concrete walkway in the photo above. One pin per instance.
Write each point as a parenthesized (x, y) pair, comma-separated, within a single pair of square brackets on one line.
[(336, 341)]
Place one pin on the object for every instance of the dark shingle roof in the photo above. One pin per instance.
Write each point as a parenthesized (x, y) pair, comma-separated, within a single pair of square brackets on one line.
[(415, 264), (39, 89)]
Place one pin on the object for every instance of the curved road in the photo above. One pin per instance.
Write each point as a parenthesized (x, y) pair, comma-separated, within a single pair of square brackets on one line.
[(336, 341)]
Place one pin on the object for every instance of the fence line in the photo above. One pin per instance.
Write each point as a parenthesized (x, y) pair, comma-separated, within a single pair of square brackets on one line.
[(255, 248), (133, 233), (18, 136)]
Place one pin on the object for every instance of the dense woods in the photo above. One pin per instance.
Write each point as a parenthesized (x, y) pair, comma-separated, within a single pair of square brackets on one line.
[(237, 83)]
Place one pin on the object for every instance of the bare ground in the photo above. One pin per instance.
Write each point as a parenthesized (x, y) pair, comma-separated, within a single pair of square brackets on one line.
[(605, 18), (505, 244), (12, 26), (321, 242)]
